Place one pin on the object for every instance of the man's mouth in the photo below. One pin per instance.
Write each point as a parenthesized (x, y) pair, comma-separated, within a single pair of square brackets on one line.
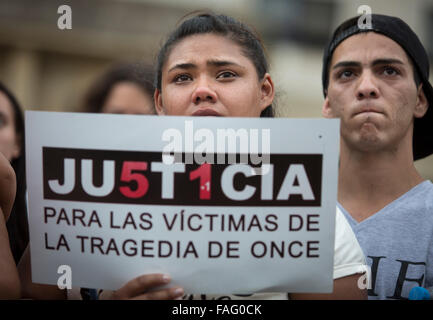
[(367, 110)]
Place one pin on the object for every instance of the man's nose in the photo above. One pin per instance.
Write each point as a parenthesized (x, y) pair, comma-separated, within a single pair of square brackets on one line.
[(367, 87)]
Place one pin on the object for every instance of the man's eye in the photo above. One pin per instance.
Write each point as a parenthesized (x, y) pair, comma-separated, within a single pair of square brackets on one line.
[(226, 75), (345, 74), (182, 78), (390, 71)]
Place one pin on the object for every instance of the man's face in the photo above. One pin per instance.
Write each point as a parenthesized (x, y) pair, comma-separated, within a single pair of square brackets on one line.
[(372, 90)]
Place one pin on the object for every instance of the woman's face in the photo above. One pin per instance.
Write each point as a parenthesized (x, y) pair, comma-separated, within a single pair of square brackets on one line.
[(128, 98), (9, 145), (208, 75)]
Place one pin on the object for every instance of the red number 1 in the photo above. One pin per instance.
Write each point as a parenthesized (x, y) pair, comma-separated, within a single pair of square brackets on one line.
[(204, 173)]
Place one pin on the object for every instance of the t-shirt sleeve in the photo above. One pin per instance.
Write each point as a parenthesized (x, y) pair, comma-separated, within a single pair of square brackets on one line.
[(348, 256), (429, 263)]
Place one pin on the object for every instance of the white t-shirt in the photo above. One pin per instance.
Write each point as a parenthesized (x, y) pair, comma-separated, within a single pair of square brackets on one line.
[(348, 260)]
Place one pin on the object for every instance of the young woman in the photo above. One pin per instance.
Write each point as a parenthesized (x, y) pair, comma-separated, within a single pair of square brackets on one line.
[(10, 152), (213, 65), (12, 147)]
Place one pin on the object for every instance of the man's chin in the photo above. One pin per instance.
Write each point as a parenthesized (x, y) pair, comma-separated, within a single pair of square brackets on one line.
[(366, 140)]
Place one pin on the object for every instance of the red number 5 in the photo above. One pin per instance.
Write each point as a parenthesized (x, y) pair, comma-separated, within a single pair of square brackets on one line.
[(127, 176)]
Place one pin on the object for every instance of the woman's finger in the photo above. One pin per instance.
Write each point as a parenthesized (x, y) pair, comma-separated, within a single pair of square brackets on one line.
[(164, 294), (139, 285)]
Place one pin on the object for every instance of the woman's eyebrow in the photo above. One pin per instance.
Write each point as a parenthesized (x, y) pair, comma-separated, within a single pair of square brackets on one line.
[(222, 63), (211, 63), (183, 66)]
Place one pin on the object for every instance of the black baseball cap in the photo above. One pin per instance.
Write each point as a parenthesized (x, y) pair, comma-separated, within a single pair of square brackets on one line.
[(397, 30)]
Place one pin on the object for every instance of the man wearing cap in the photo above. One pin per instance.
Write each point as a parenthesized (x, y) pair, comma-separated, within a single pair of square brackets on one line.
[(375, 80)]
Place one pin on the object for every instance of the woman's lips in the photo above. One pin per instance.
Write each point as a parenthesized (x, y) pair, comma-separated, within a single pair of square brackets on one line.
[(206, 113)]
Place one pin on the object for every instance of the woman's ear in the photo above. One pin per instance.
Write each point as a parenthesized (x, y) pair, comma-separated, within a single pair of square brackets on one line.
[(421, 105), (267, 92), (157, 99)]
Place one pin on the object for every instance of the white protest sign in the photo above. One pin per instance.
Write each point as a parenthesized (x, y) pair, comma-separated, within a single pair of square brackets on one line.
[(105, 201)]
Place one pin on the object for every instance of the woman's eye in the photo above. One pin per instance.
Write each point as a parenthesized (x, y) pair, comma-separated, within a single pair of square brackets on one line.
[(182, 78), (226, 75)]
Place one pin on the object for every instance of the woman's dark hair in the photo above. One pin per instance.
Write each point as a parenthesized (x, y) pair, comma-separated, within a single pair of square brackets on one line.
[(222, 25), (137, 73), (17, 225)]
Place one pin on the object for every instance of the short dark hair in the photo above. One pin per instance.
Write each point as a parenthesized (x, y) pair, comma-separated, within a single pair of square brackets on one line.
[(137, 73), (346, 25), (229, 27)]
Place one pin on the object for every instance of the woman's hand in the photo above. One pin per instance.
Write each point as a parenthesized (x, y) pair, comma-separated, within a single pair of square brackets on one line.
[(145, 288)]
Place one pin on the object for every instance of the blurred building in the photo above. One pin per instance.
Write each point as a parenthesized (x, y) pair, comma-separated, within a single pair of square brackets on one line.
[(50, 69)]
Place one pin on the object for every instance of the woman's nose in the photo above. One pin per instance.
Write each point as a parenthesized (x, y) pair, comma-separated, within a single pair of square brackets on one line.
[(204, 93)]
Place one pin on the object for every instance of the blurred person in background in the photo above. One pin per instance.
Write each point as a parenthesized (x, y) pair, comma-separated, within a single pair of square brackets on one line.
[(12, 147), (123, 89), (13, 217)]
